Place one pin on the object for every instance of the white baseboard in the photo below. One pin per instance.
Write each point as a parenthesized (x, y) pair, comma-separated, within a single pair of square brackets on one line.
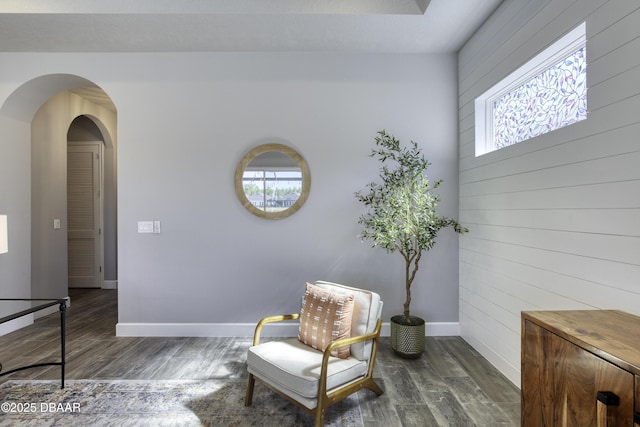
[(507, 369), (289, 329), (433, 329), (21, 322), (15, 324), (50, 310), (110, 284), (202, 330), (442, 329)]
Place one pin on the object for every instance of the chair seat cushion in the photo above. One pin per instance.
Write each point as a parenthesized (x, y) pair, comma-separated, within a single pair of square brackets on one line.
[(296, 367)]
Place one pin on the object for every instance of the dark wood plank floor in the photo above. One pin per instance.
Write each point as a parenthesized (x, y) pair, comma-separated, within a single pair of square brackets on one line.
[(450, 385)]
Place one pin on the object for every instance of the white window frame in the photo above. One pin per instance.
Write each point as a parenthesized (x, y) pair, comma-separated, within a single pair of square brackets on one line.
[(563, 48)]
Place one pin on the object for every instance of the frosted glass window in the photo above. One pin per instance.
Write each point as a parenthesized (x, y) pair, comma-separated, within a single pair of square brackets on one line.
[(547, 93), (555, 98)]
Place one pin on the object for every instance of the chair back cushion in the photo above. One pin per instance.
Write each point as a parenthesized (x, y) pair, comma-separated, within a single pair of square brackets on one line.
[(367, 309)]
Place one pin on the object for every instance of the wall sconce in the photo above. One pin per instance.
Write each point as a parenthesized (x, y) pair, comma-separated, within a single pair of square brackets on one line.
[(4, 243)]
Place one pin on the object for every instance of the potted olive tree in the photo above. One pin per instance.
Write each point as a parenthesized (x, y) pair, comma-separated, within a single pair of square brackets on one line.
[(401, 217)]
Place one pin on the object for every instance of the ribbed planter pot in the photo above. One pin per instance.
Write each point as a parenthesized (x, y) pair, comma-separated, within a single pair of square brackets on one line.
[(407, 340)]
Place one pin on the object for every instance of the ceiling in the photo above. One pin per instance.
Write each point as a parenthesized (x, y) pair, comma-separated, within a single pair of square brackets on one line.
[(373, 26)]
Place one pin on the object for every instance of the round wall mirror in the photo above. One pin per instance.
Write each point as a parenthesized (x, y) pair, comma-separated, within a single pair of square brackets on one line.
[(272, 181)]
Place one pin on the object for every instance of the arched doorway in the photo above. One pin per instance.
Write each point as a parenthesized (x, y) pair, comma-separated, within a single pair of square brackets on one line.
[(37, 117)]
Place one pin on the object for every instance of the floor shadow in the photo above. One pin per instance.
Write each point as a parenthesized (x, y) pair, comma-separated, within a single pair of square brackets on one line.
[(225, 406)]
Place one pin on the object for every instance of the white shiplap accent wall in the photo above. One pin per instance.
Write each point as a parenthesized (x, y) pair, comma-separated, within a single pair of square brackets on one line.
[(555, 221)]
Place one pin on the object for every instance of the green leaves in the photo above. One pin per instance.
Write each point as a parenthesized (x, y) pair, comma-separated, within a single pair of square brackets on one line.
[(401, 208)]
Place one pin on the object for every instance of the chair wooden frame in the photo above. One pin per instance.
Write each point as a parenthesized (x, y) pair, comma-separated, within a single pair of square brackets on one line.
[(325, 399)]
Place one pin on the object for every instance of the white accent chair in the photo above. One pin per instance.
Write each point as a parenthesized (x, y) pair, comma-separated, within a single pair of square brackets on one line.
[(312, 379)]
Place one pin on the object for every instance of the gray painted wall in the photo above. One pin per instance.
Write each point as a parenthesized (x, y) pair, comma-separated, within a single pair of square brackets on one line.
[(185, 120), (15, 265), (554, 220)]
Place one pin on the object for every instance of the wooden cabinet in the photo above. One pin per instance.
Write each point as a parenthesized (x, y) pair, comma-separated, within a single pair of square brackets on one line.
[(580, 369)]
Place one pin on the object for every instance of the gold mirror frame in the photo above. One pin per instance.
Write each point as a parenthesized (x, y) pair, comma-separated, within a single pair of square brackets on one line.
[(255, 152)]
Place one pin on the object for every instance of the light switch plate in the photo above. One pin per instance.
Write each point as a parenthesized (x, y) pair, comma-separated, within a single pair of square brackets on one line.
[(56, 224), (145, 226)]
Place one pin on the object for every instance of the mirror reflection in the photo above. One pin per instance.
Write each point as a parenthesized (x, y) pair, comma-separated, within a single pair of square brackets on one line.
[(272, 181)]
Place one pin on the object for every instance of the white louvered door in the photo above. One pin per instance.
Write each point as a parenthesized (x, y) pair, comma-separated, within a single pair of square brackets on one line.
[(84, 215)]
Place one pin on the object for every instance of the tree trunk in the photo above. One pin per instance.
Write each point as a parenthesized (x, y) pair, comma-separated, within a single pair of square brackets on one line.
[(410, 274)]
